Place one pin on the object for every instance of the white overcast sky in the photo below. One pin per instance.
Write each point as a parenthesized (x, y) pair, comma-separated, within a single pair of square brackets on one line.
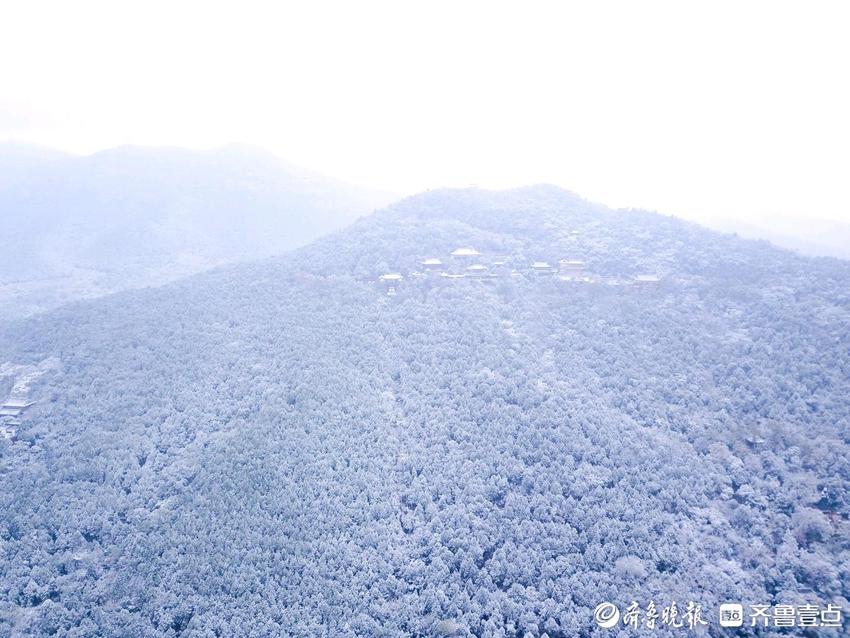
[(698, 109)]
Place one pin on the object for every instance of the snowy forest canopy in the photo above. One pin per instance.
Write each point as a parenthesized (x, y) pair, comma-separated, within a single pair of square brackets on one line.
[(281, 449)]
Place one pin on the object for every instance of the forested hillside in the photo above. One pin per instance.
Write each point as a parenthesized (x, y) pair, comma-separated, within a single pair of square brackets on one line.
[(78, 227), (284, 449)]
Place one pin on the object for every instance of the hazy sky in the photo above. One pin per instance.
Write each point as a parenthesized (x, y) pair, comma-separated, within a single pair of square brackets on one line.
[(698, 109)]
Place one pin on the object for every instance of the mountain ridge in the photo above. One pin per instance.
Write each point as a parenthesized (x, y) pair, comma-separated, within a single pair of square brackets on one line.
[(136, 216), (283, 444)]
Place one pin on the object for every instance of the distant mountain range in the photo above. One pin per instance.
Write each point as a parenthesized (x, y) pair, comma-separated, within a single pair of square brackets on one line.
[(814, 237), (281, 448), (76, 227)]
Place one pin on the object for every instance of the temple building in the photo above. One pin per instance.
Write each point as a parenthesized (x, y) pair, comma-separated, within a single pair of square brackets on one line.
[(13, 407), (646, 280), (390, 281), (541, 267), (432, 264), (571, 268), (465, 253)]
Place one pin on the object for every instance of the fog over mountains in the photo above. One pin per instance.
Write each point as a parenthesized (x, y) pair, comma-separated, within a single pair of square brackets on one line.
[(815, 237), (282, 448), (18, 160), (77, 227)]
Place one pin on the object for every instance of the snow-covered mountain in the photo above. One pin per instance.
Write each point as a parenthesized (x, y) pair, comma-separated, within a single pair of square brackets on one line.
[(77, 227), (295, 447)]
